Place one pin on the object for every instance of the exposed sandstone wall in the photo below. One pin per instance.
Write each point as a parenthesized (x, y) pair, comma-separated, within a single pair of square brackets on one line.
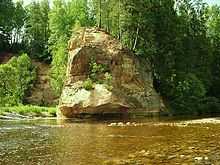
[(41, 93), (131, 88)]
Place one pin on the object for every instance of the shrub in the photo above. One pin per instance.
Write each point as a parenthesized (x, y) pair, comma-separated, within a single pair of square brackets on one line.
[(88, 84), (26, 73), (96, 69), (8, 85), (190, 86), (108, 81), (209, 105), (188, 91), (16, 78)]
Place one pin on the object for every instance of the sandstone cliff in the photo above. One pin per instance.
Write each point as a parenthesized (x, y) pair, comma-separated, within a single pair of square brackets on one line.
[(103, 77), (41, 93)]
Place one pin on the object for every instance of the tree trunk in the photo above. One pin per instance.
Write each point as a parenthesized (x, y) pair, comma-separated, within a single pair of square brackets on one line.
[(136, 38), (100, 13), (119, 26)]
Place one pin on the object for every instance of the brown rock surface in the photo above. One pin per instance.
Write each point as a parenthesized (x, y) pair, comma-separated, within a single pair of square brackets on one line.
[(5, 57), (41, 93), (131, 88)]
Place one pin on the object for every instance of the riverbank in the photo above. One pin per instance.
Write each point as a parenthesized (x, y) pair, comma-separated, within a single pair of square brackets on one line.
[(26, 111)]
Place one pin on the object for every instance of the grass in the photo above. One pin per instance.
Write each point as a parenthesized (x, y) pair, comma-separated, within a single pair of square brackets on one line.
[(30, 110)]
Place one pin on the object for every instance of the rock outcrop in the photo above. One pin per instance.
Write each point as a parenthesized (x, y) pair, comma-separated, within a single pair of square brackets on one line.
[(41, 93), (103, 77)]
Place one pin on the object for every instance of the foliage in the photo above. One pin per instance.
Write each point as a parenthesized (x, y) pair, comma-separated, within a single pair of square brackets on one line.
[(95, 70), (108, 78), (26, 73), (8, 86), (213, 25), (64, 15), (37, 30), (98, 73), (187, 93), (209, 105), (29, 110), (58, 69), (8, 22), (108, 81), (88, 84), (16, 78)]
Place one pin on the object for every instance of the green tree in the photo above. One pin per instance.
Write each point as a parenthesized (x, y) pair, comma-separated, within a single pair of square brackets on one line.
[(18, 26), (6, 23), (213, 24), (187, 93), (37, 29), (26, 73), (58, 69), (63, 17), (16, 79), (18, 21), (8, 86)]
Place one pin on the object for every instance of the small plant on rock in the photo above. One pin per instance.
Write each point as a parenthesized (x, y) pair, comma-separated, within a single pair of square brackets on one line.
[(96, 69), (96, 73), (108, 81), (88, 84)]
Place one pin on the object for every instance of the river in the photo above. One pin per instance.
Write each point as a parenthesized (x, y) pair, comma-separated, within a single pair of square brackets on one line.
[(77, 142)]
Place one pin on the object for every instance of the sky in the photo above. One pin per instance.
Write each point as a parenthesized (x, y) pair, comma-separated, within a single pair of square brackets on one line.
[(211, 2)]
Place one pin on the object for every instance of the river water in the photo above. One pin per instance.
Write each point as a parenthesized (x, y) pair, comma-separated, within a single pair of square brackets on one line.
[(75, 142)]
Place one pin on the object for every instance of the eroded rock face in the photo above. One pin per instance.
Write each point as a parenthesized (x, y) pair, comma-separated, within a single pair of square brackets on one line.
[(122, 83)]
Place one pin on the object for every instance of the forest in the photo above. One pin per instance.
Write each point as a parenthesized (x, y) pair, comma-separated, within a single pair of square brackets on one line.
[(179, 38)]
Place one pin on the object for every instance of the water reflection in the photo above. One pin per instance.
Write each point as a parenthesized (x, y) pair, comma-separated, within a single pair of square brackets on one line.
[(95, 143)]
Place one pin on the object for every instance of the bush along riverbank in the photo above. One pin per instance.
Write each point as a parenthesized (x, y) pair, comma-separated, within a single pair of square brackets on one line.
[(26, 111), (16, 79)]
